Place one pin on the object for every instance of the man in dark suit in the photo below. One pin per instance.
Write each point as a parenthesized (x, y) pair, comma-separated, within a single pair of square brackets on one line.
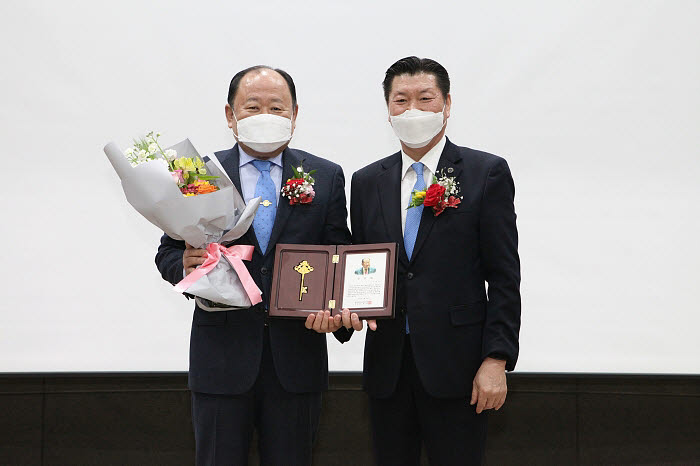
[(432, 372), (248, 371)]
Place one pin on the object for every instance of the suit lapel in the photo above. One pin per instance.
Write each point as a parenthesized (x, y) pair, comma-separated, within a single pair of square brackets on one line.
[(230, 160), (450, 164), (289, 160), (389, 193)]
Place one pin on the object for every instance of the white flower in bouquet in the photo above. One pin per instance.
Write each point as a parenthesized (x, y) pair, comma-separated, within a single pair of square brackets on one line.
[(140, 158), (170, 155), (145, 149)]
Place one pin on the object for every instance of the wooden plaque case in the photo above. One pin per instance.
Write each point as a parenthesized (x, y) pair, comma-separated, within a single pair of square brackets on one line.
[(323, 271)]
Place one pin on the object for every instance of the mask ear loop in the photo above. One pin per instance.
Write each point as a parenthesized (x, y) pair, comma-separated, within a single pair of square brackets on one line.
[(292, 119), (444, 122), (236, 119)]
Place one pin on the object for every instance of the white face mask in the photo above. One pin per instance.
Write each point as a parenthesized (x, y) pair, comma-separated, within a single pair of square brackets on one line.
[(416, 128), (264, 132)]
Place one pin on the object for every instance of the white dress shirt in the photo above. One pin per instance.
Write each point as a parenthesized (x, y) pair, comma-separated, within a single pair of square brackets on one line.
[(408, 175), (250, 174)]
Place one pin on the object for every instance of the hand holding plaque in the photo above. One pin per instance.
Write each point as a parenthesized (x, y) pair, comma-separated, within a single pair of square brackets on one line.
[(309, 278), (323, 322)]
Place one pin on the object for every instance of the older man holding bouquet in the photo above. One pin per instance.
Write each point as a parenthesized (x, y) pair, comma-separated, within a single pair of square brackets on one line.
[(248, 371)]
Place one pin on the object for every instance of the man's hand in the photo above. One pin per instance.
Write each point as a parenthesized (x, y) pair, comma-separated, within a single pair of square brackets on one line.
[(489, 387), (192, 258), (351, 320), (354, 322), (323, 322)]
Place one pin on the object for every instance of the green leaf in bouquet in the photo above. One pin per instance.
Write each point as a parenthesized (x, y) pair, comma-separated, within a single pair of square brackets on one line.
[(207, 177), (141, 144)]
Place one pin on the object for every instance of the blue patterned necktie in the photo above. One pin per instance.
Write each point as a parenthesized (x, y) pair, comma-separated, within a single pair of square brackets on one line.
[(265, 216), (413, 215)]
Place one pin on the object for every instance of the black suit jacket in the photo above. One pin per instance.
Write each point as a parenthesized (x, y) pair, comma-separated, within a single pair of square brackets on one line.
[(454, 325), (226, 346)]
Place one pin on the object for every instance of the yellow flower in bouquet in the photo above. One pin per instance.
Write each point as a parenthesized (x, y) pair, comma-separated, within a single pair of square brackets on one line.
[(185, 164)]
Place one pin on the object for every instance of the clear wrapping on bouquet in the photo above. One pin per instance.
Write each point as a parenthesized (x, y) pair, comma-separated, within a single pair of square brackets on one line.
[(217, 217)]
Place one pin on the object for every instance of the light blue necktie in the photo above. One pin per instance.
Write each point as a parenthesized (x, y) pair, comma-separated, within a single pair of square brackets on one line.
[(413, 215), (265, 216)]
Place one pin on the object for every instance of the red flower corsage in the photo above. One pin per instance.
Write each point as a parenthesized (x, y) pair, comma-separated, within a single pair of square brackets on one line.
[(443, 193), (300, 189)]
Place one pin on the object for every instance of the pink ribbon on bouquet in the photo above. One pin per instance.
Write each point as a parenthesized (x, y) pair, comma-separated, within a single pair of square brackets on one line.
[(235, 256)]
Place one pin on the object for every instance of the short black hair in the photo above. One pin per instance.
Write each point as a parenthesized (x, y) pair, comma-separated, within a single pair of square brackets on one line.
[(236, 81), (415, 65)]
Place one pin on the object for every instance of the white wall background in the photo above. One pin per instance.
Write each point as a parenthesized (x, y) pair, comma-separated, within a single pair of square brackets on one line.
[(596, 106)]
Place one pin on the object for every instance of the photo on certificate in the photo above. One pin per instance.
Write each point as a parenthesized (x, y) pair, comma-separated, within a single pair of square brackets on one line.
[(365, 280)]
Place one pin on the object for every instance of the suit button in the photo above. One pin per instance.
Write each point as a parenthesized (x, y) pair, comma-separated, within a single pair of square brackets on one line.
[(403, 311), (409, 275), (264, 270)]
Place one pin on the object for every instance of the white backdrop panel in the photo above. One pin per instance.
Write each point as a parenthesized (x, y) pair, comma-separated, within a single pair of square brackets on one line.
[(595, 105)]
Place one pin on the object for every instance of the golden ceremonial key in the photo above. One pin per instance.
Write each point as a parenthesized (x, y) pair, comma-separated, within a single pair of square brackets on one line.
[(303, 268)]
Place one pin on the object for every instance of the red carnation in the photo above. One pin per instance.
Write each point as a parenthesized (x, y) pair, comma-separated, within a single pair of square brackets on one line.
[(434, 195), (453, 201)]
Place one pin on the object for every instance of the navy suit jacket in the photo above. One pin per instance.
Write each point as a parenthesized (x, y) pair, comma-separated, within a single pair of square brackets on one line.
[(226, 346), (454, 325)]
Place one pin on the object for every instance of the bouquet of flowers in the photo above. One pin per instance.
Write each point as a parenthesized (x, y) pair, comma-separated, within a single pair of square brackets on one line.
[(193, 201), (300, 189), (442, 193), (190, 173)]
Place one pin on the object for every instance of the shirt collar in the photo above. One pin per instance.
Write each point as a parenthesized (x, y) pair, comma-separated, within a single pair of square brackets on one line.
[(430, 159), (245, 158)]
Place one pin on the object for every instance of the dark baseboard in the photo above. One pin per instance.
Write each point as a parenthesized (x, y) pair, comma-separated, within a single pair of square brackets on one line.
[(549, 419)]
